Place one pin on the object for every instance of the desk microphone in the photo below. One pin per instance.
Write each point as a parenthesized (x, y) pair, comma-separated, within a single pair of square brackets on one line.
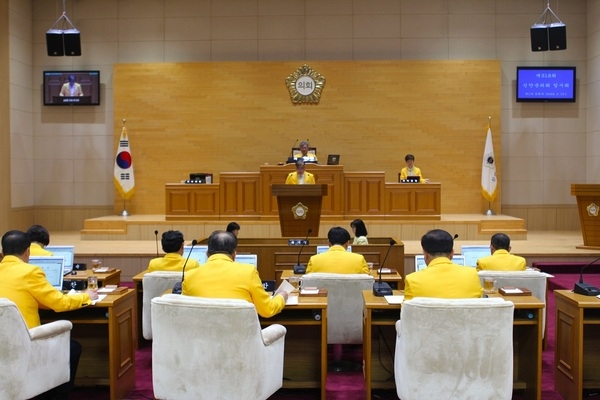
[(585, 288), (156, 240), (178, 287), (299, 268), (291, 157), (380, 288)]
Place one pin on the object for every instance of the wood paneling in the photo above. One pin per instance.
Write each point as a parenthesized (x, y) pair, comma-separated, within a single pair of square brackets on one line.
[(237, 116)]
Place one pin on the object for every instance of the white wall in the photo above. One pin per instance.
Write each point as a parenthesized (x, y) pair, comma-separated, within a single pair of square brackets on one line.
[(64, 156)]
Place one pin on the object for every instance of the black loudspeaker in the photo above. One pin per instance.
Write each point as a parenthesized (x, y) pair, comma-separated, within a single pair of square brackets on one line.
[(72, 41), (557, 37), (539, 38), (54, 44)]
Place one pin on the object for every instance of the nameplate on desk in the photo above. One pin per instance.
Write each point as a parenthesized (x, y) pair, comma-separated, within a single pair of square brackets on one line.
[(112, 289), (313, 292), (103, 270), (386, 271)]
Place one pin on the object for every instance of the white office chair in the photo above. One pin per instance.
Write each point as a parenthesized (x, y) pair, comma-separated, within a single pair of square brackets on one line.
[(213, 349), (344, 308), (32, 361), (155, 284), (533, 280), (458, 349)]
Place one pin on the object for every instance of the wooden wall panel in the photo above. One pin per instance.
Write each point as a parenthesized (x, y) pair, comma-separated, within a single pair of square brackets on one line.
[(237, 116)]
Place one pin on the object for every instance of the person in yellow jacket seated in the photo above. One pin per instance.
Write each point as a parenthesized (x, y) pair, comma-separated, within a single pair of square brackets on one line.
[(172, 243), (221, 277), (300, 177), (442, 278), (501, 259), (26, 286), (411, 170), (337, 259), (40, 238)]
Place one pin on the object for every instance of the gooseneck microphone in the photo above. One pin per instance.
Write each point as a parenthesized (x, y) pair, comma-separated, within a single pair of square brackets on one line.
[(299, 268), (585, 288), (178, 287), (291, 157), (381, 288), (156, 240)]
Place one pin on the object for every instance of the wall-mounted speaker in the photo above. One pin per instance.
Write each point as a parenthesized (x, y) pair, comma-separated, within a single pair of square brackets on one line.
[(63, 43), (54, 44), (557, 36), (539, 38)]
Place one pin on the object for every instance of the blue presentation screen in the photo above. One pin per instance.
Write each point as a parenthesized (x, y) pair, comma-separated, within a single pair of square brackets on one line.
[(546, 84)]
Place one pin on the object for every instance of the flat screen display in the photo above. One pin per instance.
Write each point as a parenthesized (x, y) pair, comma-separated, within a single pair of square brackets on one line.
[(198, 253), (546, 84), (472, 253), (66, 252), (71, 88)]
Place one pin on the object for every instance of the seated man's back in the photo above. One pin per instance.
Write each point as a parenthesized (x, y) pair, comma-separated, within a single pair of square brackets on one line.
[(338, 261)]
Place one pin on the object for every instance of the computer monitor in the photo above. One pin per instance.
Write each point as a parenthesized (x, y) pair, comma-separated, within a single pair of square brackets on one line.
[(53, 267), (322, 249), (67, 252), (472, 253), (247, 259), (420, 261), (198, 253)]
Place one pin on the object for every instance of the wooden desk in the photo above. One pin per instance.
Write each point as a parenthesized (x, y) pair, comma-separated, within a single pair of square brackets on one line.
[(139, 295), (107, 332), (107, 278), (305, 361), (379, 322), (392, 278), (577, 344)]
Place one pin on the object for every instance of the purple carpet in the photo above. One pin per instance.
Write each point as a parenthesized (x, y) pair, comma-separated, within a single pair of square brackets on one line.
[(350, 385)]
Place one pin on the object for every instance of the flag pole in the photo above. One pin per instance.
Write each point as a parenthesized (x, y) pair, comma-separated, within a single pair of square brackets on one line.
[(489, 210)]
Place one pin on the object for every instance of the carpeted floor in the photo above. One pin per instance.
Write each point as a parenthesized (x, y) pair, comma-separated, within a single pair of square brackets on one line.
[(350, 386)]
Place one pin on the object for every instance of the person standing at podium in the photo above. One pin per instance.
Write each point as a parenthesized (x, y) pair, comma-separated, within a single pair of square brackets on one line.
[(300, 177), (411, 170), (71, 88)]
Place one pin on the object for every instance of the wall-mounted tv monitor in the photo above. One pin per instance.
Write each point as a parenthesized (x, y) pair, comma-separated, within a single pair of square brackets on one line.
[(71, 88), (546, 84)]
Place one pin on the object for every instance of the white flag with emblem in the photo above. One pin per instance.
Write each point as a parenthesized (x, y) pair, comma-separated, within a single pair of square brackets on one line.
[(489, 183)]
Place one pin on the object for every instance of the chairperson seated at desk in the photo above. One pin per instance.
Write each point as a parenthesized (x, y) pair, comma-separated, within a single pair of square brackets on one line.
[(442, 278), (300, 177), (172, 245), (337, 259), (501, 259), (221, 277)]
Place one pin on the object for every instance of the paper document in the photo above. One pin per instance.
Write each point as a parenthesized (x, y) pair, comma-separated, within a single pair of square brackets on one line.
[(292, 301), (285, 286), (309, 291), (395, 299)]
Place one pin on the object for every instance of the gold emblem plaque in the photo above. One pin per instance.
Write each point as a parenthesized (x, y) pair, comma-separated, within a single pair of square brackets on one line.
[(592, 210), (305, 85), (300, 211)]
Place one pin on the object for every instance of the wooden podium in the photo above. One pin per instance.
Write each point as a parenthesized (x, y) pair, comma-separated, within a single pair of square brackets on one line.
[(299, 208), (588, 204)]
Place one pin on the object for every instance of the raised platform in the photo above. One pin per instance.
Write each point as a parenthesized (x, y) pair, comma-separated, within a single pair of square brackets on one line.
[(143, 227)]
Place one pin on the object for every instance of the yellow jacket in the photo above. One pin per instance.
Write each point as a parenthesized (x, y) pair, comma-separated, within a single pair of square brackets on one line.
[(337, 260), (292, 178), (172, 262), (37, 250), (26, 285), (443, 279), (223, 278), (415, 172), (502, 260)]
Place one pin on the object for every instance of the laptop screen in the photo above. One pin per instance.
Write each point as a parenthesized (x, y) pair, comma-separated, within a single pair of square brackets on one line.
[(472, 253), (420, 261), (323, 249), (67, 252), (247, 259), (53, 267), (198, 253)]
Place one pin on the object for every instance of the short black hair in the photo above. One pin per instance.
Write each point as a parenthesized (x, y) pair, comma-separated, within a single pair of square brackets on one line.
[(39, 234), (437, 242), (409, 157), (338, 235), (359, 226), (221, 242), (15, 243), (233, 226), (171, 241), (500, 241)]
